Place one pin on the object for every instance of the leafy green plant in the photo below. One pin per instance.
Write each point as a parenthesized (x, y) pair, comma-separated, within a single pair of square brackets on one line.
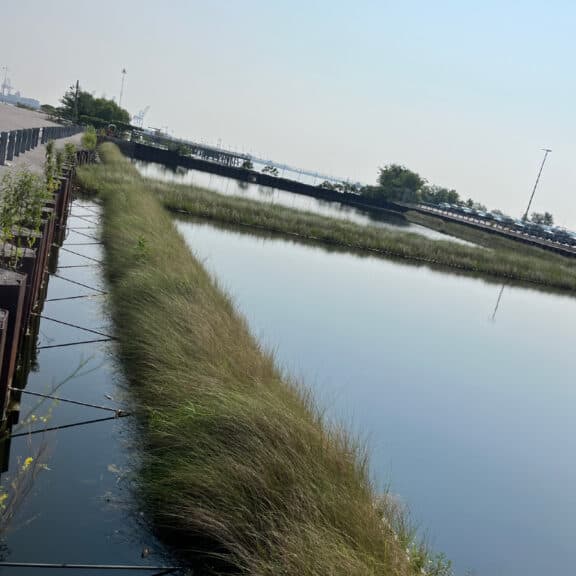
[(70, 153), (23, 196), (14, 489), (60, 159), (50, 168), (89, 138)]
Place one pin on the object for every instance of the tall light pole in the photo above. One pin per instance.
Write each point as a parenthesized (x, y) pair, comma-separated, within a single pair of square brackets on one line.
[(122, 87), (4, 82), (546, 152), (76, 95)]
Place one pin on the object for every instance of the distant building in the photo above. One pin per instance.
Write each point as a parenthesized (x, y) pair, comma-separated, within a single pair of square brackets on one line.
[(18, 99)]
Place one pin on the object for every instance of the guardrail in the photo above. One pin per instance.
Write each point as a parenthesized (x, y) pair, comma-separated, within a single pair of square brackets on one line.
[(499, 228), (16, 142)]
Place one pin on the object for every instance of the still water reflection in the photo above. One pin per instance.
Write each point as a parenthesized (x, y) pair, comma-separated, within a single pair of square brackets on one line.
[(80, 508), (232, 187), (469, 415)]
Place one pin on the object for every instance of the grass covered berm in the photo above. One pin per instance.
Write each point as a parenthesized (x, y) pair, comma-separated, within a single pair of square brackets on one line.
[(240, 471), (495, 258)]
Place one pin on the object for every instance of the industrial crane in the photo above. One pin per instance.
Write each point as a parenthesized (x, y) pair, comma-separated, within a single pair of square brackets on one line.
[(138, 119)]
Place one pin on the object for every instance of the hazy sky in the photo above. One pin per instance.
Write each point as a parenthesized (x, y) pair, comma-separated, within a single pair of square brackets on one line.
[(465, 93)]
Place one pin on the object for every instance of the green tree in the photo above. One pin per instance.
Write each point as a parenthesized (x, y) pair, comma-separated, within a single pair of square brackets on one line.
[(327, 185), (49, 110), (546, 219), (89, 138), (438, 194), (90, 107), (247, 164), (396, 183), (269, 169)]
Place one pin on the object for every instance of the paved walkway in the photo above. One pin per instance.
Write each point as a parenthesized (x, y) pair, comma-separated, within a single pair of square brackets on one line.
[(12, 118)]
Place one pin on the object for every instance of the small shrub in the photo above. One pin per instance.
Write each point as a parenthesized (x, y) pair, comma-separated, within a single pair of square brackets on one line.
[(89, 138), (70, 153)]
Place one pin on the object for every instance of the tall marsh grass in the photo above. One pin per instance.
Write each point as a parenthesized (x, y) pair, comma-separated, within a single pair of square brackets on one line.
[(496, 258), (239, 468)]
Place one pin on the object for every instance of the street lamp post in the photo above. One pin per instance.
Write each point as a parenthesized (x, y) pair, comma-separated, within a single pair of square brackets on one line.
[(546, 152), (122, 87), (5, 81)]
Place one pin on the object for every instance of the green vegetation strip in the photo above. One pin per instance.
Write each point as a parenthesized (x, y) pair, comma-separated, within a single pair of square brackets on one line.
[(505, 260), (239, 466)]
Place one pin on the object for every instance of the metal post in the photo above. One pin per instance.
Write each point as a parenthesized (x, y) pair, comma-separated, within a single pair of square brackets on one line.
[(77, 93), (546, 152), (11, 144), (122, 87), (18, 143), (3, 146), (23, 142), (22, 147)]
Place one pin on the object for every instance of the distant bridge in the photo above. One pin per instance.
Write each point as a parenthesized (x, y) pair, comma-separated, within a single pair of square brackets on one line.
[(232, 169), (233, 158), (229, 169)]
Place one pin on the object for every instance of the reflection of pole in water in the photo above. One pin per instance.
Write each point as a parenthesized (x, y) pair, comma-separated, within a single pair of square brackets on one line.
[(498, 303), (4, 454)]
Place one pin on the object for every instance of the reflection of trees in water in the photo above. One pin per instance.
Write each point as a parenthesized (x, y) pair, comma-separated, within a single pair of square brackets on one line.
[(386, 217), (162, 168), (243, 185), (382, 216), (176, 170), (266, 191)]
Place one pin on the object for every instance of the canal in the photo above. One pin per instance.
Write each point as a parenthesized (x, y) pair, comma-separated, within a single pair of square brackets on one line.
[(80, 508), (462, 389), (232, 187)]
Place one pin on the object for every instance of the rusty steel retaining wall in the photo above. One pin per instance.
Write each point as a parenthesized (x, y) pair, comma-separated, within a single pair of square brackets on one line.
[(23, 275)]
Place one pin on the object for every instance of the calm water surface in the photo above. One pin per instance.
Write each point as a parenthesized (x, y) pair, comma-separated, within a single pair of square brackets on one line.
[(469, 416), (79, 510), (232, 187)]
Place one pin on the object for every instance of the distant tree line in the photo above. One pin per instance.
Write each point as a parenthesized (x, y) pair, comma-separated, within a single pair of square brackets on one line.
[(546, 219), (341, 187), (84, 108), (399, 184)]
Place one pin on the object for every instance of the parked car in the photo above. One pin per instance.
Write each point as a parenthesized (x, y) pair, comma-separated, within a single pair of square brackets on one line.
[(519, 226)]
